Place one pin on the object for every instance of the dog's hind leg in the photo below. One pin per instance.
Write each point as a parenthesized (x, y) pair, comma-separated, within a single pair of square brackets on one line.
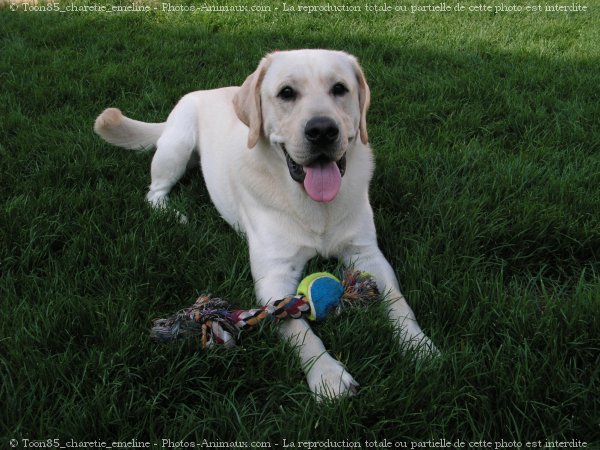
[(174, 152)]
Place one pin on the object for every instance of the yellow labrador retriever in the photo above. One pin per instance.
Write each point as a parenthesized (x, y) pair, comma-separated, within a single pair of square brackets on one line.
[(286, 161)]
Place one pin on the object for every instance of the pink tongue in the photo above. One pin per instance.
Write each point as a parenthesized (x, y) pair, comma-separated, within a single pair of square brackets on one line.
[(322, 181)]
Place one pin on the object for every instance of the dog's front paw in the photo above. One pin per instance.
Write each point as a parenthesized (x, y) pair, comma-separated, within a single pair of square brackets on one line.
[(329, 379), (159, 200), (424, 347), (411, 335)]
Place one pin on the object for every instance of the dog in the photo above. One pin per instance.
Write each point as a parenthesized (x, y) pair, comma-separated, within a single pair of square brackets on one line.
[(286, 162)]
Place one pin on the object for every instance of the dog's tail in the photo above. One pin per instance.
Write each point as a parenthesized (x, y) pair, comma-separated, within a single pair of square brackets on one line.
[(117, 129)]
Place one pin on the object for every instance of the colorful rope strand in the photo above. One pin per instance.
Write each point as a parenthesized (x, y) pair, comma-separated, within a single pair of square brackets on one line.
[(216, 323)]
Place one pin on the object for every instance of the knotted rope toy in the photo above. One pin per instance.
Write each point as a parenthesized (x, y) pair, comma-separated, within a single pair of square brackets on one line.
[(217, 323)]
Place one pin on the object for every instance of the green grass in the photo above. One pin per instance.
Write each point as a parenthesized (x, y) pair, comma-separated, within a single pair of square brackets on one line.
[(486, 130)]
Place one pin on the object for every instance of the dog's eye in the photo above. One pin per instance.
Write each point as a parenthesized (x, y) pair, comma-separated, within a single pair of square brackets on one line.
[(339, 89), (287, 93)]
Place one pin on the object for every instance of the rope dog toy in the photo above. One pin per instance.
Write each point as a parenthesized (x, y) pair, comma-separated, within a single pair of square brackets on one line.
[(216, 323)]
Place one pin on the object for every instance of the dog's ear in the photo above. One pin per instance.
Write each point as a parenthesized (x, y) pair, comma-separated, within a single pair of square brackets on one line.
[(247, 102), (364, 99)]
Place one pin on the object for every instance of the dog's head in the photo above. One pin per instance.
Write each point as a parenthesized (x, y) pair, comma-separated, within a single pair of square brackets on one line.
[(312, 105)]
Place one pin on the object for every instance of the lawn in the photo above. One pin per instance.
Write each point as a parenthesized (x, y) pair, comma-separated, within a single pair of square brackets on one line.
[(486, 132)]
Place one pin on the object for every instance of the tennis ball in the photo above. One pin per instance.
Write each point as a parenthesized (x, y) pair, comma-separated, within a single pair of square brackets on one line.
[(323, 292)]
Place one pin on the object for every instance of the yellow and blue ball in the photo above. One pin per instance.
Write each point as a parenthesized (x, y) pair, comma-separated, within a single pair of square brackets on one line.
[(323, 292)]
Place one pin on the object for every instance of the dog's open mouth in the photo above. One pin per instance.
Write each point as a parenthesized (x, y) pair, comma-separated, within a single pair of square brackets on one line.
[(322, 178)]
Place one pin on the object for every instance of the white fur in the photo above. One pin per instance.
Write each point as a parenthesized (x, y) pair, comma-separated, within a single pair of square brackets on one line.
[(253, 191)]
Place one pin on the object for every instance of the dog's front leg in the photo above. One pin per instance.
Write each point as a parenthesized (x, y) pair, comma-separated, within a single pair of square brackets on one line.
[(326, 376), (276, 277), (371, 260)]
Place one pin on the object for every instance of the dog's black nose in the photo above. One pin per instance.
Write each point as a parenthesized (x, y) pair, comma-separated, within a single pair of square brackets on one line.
[(321, 131)]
